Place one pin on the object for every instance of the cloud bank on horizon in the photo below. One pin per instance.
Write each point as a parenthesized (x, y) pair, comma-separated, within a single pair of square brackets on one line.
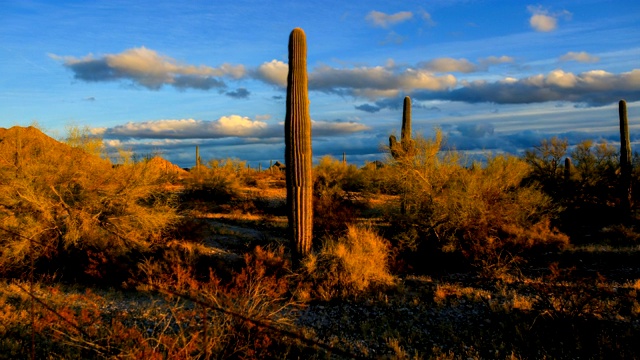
[(486, 82), (225, 126), (429, 80)]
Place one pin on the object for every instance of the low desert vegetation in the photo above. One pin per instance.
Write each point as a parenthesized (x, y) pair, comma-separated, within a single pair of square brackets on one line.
[(478, 212), (424, 255), (73, 212)]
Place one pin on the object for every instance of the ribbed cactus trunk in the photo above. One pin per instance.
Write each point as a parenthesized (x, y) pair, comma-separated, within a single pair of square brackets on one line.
[(625, 161), (405, 134), (403, 150), (297, 134)]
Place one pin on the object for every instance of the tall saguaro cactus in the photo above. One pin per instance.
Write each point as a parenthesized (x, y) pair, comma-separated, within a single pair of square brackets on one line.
[(297, 135), (625, 160), (405, 147)]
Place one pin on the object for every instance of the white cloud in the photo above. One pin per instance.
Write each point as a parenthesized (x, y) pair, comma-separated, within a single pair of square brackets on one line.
[(595, 87), (380, 19), (374, 82), (417, 79), (273, 72), (232, 126), (235, 125), (225, 126), (450, 65), (494, 60), (147, 68), (364, 82), (582, 56), (98, 130), (543, 21), (561, 79)]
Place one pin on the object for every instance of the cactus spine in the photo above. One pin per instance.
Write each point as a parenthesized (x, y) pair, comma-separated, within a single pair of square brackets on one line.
[(406, 143), (625, 160), (298, 152)]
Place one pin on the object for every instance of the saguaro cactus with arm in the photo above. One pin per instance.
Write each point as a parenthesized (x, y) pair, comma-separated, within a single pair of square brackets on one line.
[(297, 133), (406, 145)]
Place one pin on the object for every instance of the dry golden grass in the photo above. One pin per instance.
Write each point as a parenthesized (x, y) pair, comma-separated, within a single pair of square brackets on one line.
[(349, 265)]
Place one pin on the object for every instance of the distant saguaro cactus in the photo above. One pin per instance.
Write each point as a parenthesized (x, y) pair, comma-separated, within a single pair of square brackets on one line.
[(625, 160), (567, 169), (17, 156), (197, 157), (298, 154), (406, 145)]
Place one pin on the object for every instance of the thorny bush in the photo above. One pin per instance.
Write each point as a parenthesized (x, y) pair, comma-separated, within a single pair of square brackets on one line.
[(64, 206), (479, 212)]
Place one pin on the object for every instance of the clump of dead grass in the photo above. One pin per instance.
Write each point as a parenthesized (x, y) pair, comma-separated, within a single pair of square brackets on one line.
[(350, 264)]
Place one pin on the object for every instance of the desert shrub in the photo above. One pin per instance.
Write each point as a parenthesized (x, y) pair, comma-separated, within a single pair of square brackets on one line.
[(57, 201), (81, 137), (547, 164), (590, 196), (217, 182), (349, 265), (331, 176), (595, 163), (375, 177), (335, 204), (479, 211), (591, 201), (256, 295), (173, 315)]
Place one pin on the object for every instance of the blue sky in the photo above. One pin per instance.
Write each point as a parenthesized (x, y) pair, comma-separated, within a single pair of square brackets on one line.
[(165, 76)]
